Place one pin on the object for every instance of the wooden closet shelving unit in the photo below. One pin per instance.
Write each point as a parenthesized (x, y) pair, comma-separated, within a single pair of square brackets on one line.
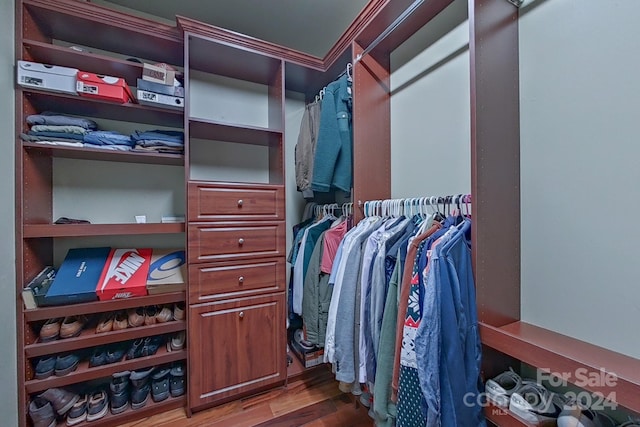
[(44, 30), (200, 48)]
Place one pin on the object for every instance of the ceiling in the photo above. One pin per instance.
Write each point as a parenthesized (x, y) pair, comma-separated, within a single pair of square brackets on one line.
[(311, 26)]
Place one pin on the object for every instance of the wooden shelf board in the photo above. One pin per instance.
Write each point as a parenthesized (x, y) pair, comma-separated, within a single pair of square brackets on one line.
[(574, 359), (44, 313), (241, 63), (85, 373), (89, 338), (228, 132), (107, 155), (503, 418), (106, 29), (31, 231), (151, 408), (87, 107), (100, 64)]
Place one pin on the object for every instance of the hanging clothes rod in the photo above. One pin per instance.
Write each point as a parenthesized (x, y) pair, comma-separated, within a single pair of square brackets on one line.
[(399, 20)]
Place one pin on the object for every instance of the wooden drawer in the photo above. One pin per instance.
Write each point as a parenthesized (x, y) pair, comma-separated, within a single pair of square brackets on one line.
[(234, 279), (210, 202), (213, 242)]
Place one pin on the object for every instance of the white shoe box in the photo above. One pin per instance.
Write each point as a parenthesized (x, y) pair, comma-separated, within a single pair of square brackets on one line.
[(47, 77)]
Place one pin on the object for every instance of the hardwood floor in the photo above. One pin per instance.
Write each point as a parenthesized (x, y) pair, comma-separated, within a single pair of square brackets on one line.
[(312, 401)]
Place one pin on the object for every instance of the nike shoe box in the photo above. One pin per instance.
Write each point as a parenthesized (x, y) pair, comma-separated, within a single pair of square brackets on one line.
[(47, 77), (77, 277), (167, 271), (124, 274), (309, 357), (107, 88), (170, 90)]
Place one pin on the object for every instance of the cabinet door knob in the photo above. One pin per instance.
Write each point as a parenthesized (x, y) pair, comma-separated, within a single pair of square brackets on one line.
[(241, 241), (240, 202), (241, 279), (241, 315)]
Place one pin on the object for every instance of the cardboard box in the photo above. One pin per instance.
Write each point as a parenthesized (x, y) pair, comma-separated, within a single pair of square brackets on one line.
[(34, 292), (125, 274), (159, 100), (156, 74), (77, 277), (167, 272), (107, 88), (168, 89), (47, 77), (308, 358)]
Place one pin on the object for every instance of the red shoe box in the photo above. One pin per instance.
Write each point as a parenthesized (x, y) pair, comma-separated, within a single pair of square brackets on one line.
[(103, 87), (124, 274)]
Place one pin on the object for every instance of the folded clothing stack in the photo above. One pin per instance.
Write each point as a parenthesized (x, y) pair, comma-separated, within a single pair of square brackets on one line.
[(159, 141), (57, 129), (108, 140)]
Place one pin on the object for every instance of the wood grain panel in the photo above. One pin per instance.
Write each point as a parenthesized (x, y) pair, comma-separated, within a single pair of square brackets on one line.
[(225, 280), (220, 241), (210, 201), (495, 159), (235, 347)]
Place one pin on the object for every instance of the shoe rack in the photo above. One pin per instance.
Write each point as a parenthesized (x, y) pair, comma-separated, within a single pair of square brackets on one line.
[(45, 29)]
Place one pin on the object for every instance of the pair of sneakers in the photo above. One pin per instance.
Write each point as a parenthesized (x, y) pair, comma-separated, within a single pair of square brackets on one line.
[(525, 398), (535, 404)]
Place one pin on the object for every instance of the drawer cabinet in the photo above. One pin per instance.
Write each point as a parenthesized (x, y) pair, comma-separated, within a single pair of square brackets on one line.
[(211, 202), (236, 346), (215, 241), (229, 279)]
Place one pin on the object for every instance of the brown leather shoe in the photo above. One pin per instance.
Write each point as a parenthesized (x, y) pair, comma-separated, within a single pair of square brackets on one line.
[(178, 311), (136, 317), (72, 326), (120, 321), (150, 313), (164, 315), (105, 324), (50, 330), (62, 400)]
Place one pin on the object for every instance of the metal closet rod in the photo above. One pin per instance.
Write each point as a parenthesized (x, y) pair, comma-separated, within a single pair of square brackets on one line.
[(399, 20)]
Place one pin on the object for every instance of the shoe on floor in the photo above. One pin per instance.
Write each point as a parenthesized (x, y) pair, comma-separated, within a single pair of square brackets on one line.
[(61, 399), (500, 388), (41, 413), (78, 412), (98, 405)]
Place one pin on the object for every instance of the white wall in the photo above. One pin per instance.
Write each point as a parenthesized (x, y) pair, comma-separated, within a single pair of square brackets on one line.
[(430, 109), (8, 377), (580, 106)]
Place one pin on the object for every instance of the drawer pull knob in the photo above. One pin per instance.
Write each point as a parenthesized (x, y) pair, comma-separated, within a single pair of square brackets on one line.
[(240, 202), (241, 279), (241, 315), (241, 241)]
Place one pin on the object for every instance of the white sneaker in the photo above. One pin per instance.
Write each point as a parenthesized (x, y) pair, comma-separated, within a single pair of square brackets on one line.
[(535, 404), (500, 388), (577, 415)]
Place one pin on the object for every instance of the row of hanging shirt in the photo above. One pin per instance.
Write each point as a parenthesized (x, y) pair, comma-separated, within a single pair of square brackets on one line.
[(396, 310), (323, 153)]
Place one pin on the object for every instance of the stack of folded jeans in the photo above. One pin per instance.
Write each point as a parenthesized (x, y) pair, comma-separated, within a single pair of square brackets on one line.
[(108, 140), (159, 141), (57, 129)]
